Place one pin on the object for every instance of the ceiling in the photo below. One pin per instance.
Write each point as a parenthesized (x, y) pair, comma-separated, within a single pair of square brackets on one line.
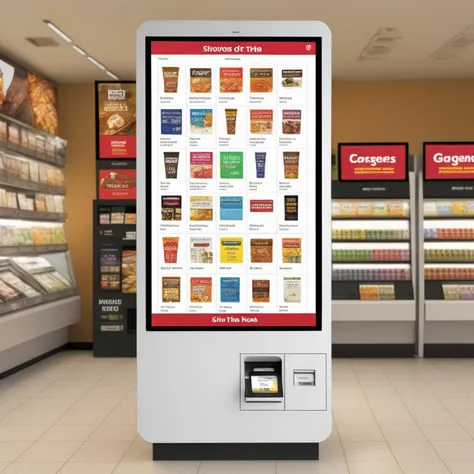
[(106, 30)]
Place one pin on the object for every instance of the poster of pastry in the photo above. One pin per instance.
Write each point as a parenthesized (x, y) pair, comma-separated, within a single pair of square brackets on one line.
[(117, 184), (28, 97), (116, 119)]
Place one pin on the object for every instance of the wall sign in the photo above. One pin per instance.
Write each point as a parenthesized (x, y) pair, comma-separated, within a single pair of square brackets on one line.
[(373, 161), (449, 161), (116, 120), (117, 184)]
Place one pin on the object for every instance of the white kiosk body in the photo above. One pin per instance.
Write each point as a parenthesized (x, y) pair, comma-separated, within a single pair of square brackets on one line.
[(234, 239)]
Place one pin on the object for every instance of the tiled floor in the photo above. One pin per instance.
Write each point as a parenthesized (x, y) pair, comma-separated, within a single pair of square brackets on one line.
[(72, 414)]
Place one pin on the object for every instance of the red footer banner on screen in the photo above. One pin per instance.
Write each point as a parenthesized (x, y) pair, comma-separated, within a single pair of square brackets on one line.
[(373, 162), (449, 161), (247, 320)]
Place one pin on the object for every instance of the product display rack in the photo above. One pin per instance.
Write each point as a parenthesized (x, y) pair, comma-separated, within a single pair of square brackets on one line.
[(37, 284), (374, 265), (114, 255), (446, 259)]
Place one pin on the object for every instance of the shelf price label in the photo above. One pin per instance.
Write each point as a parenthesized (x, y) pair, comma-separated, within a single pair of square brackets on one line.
[(451, 161), (373, 161)]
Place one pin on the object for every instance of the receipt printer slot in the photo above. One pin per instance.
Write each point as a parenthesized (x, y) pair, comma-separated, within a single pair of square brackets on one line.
[(304, 378), (263, 381)]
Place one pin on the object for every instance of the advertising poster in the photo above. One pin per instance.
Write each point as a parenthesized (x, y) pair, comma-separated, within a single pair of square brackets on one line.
[(117, 184), (234, 174), (27, 97), (449, 161), (373, 161), (116, 120)]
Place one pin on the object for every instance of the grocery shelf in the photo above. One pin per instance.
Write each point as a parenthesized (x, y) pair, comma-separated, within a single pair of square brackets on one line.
[(451, 310), (447, 217), (27, 153), (366, 311), (358, 262), (28, 323), (24, 303), (19, 250), (30, 185), (7, 213), (449, 240)]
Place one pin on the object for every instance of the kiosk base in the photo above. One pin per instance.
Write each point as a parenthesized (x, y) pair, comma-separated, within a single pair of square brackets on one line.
[(236, 452)]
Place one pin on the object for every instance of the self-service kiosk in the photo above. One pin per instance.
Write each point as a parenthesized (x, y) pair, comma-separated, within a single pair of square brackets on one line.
[(234, 239)]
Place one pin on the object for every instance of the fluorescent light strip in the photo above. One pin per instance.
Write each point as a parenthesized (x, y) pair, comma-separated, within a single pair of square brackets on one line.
[(79, 50), (63, 35), (112, 75), (94, 61)]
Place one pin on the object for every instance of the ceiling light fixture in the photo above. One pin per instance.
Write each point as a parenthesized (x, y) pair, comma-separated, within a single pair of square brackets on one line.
[(94, 61), (79, 50), (59, 32), (112, 75)]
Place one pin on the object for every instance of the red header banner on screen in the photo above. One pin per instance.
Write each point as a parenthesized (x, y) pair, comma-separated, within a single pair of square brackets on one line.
[(236, 48), (237, 320), (373, 162), (449, 161)]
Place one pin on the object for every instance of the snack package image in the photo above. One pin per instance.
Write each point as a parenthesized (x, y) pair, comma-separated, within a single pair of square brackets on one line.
[(291, 122), (171, 289), (230, 80), (261, 291), (232, 250), (200, 208), (171, 121), (200, 250), (292, 289), (231, 120), (201, 290), (292, 77), (232, 165), (201, 164), (291, 249), (170, 79), (200, 80), (201, 120), (231, 208), (260, 158), (261, 121), (109, 261), (170, 249), (291, 208), (291, 161), (171, 164), (261, 250), (129, 271), (261, 80), (171, 208), (230, 290)]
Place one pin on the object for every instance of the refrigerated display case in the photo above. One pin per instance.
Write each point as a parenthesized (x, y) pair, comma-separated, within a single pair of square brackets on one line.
[(446, 209), (38, 296), (374, 265)]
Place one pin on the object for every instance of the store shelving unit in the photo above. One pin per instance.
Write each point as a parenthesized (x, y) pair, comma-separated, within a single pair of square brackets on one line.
[(374, 267), (38, 296), (114, 255), (446, 219)]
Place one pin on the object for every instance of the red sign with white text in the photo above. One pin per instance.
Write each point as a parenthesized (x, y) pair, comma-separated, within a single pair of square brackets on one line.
[(373, 162), (117, 184), (237, 320), (117, 147), (233, 48), (449, 161)]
